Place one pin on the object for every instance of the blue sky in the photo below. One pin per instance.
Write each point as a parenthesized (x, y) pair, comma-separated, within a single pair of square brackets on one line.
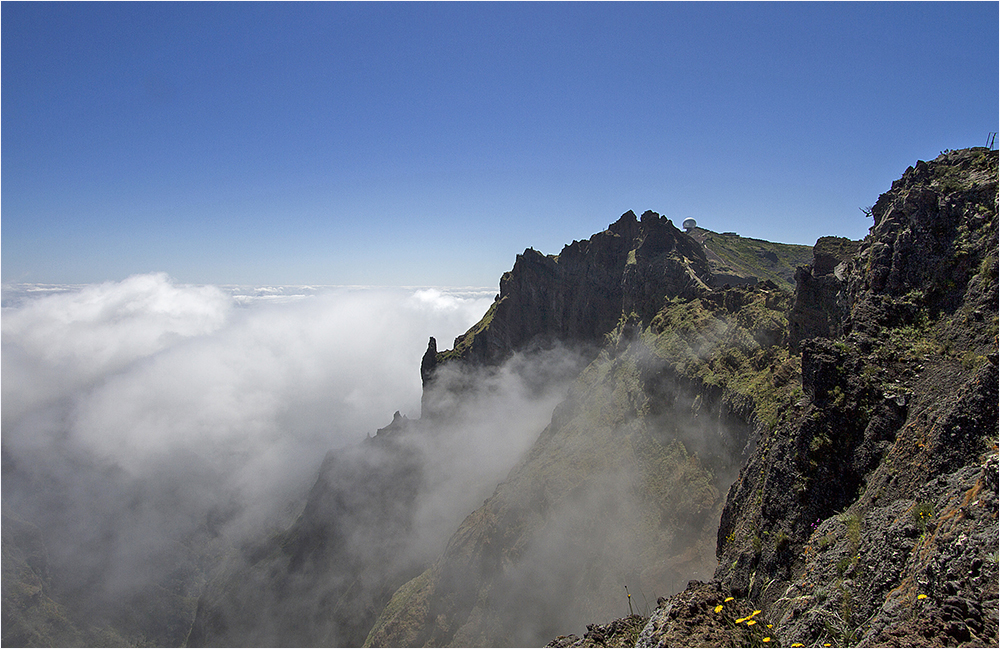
[(428, 144)]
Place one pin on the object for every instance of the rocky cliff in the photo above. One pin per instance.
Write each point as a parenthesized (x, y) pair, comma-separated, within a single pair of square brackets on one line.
[(867, 513), (612, 456), (808, 434), (623, 489), (857, 422), (578, 296)]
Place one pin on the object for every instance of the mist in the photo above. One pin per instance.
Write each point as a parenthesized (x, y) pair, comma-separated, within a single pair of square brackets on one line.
[(158, 434), (136, 414), (151, 429), (493, 416)]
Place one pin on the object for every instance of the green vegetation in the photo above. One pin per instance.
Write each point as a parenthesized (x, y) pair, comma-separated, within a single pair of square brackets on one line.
[(635, 625), (949, 178), (732, 254), (909, 343), (405, 609), (922, 513), (730, 349), (464, 342), (624, 632)]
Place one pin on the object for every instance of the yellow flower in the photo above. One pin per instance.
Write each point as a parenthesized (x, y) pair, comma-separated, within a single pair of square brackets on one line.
[(755, 613), (729, 599), (767, 639), (797, 644), (751, 622), (921, 596), (770, 626), (740, 620), (718, 608)]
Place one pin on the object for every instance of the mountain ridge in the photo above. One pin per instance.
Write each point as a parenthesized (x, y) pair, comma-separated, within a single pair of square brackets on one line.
[(868, 514), (721, 430), (559, 305), (579, 294), (827, 402)]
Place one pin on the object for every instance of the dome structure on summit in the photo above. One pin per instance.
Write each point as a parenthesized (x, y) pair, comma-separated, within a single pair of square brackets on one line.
[(689, 224)]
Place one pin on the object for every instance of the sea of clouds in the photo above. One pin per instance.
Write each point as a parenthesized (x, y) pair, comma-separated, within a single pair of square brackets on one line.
[(148, 424), (134, 411), (132, 371)]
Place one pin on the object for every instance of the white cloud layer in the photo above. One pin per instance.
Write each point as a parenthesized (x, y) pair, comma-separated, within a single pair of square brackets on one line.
[(145, 416), (150, 366), (198, 399)]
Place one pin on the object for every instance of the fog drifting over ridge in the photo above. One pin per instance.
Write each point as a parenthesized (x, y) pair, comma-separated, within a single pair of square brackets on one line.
[(134, 411), (155, 431)]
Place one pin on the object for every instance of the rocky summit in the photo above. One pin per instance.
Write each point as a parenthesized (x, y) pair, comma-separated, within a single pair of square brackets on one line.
[(866, 513), (822, 465), (723, 442)]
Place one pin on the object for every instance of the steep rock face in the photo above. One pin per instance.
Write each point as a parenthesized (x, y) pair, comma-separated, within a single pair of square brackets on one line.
[(578, 296), (930, 231), (820, 302), (869, 514), (428, 364), (664, 264), (570, 527), (623, 489)]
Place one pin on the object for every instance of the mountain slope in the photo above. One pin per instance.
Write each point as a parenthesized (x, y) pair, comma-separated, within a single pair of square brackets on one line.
[(821, 458), (869, 514), (869, 445), (623, 488), (740, 260)]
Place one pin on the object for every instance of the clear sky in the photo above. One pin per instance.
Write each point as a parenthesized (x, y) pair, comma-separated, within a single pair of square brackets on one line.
[(428, 144)]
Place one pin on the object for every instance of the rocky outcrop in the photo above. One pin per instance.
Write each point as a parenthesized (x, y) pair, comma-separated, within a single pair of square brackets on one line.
[(869, 514), (820, 307), (428, 362), (578, 296), (704, 616), (622, 489), (622, 632), (824, 466), (427, 366), (932, 236)]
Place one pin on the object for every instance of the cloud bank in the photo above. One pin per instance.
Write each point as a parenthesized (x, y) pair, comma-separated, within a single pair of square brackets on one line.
[(134, 412)]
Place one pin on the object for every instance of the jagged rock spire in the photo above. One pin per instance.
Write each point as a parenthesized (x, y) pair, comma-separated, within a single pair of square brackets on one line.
[(428, 362)]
